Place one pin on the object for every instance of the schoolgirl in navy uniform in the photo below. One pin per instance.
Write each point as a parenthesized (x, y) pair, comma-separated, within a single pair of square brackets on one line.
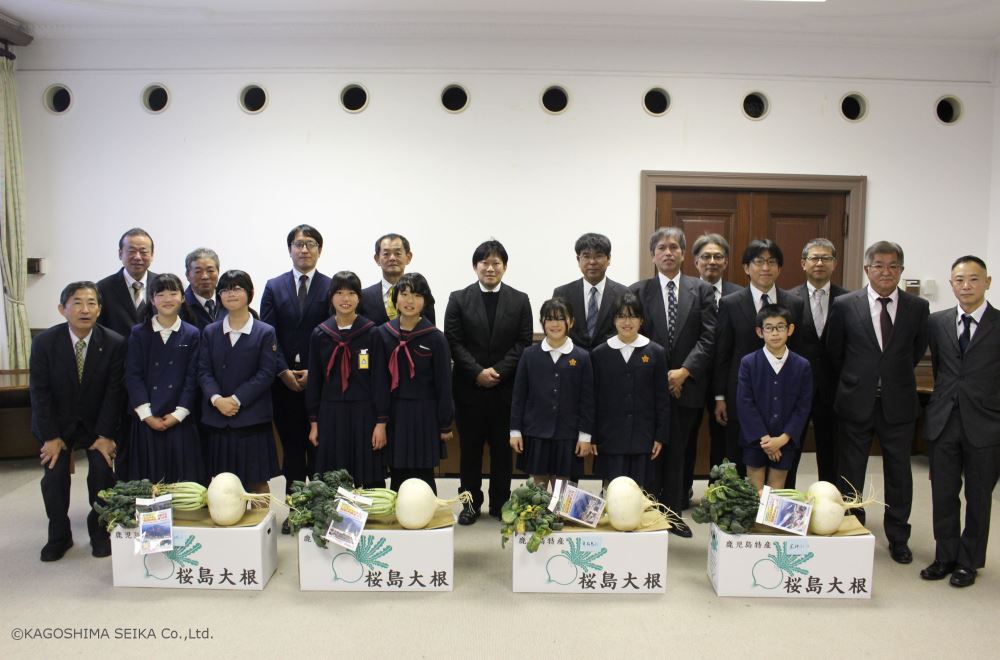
[(346, 366), (418, 387), (552, 411), (630, 384), (161, 372), (237, 363)]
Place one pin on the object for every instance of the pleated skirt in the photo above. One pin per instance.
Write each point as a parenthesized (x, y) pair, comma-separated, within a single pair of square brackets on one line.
[(345, 441), (637, 466), (414, 437), (166, 456), (550, 456), (247, 452)]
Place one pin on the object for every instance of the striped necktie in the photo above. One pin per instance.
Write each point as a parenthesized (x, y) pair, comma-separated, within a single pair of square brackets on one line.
[(80, 346)]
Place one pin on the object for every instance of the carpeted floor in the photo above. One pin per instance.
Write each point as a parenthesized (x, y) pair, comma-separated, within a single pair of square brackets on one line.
[(906, 617)]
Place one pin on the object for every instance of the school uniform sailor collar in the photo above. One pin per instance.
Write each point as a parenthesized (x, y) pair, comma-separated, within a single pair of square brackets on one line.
[(360, 325), (422, 328)]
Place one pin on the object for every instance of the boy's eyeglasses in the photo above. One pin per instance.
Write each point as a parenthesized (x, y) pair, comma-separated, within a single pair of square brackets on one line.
[(770, 329)]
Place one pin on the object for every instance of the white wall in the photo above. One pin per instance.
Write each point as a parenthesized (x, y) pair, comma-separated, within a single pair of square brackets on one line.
[(206, 173)]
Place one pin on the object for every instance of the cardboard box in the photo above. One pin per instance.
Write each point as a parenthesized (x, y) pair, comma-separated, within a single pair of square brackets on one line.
[(579, 560), (773, 565), (388, 558), (204, 556)]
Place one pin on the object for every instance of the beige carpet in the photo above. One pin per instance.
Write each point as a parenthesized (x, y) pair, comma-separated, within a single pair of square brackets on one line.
[(482, 618)]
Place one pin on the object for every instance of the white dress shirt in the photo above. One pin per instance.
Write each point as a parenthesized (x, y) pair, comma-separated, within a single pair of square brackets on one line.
[(977, 317), (876, 310), (587, 286), (626, 349), (772, 296)]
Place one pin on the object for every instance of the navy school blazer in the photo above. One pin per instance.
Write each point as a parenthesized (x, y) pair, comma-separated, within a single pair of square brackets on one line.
[(771, 403), (553, 399), (632, 399), (162, 375), (246, 370), (431, 378), (330, 351), (279, 308)]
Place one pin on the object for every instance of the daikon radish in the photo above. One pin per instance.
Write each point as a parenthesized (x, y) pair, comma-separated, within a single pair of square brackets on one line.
[(416, 503), (626, 503), (227, 501)]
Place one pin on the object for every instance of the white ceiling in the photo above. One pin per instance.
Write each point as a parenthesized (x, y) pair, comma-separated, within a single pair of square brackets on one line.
[(973, 24)]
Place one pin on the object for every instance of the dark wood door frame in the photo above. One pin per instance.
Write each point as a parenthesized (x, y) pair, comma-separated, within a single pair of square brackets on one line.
[(855, 187)]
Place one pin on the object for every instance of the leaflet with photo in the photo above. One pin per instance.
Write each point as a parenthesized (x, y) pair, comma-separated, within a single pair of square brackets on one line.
[(783, 513), (574, 503), (156, 525), (347, 531)]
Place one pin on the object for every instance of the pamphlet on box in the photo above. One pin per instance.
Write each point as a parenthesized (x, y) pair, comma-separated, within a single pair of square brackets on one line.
[(346, 532), (156, 525), (783, 513), (576, 504)]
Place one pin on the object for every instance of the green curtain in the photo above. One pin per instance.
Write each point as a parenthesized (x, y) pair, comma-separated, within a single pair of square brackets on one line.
[(13, 264)]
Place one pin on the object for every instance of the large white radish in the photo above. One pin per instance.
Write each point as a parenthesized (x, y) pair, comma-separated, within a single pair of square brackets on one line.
[(826, 517), (824, 490), (416, 503), (227, 501), (626, 503)]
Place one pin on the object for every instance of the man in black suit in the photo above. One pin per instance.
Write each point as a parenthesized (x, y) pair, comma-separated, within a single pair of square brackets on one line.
[(963, 423), (875, 338), (201, 300), (736, 334), (680, 316), (77, 394), (711, 256), (124, 304), (392, 254), (488, 326), (819, 261), (592, 297)]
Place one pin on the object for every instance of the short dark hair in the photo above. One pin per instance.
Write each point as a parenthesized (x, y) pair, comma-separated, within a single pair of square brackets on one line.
[(392, 237), (73, 287), (345, 279), (200, 253), (821, 243), (308, 231), (136, 231), (883, 247), (415, 283), (759, 246), (967, 259), (555, 309), (490, 248), (772, 311), (240, 278), (165, 282), (675, 233), (708, 239), (628, 304), (594, 242)]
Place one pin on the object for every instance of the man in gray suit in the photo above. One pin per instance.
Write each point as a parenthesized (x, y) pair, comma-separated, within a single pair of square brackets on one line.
[(876, 336), (680, 316), (593, 296), (963, 423)]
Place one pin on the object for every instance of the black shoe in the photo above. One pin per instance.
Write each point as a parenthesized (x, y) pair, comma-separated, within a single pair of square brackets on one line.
[(939, 570), (963, 577), (680, 528), (54, 550), (101, 548), (900, 553), (285, 529), (469, 515)]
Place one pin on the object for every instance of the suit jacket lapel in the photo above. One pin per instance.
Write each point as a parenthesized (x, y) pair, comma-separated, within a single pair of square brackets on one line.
[(659, 312), (986, 325), (865, 317), (95, 351), (807, 313), (747, 307), (291, 290), (604, 311), (474, 302), (501, 312), (685, 302)]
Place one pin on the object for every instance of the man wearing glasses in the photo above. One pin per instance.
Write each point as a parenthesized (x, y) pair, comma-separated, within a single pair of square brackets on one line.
[(819, 261), (592, 297), (294, 303), (875, 337), (680, 316), (736, 332)]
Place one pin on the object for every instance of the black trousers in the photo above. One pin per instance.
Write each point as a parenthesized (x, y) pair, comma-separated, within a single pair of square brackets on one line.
[(734, 449), (952, 456), (56, 488), (399, 475), (896, 441), (672, 491), (717, 443), (123, 446), (478, 425), (292, 422)]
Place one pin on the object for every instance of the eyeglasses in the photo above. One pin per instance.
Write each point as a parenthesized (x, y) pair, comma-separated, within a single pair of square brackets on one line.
[(885, 268), (820, 259), (626, 317), (592, 256), (495, 265), (711, 256), (309, 245), (771, 329), (760, 262), (234, 289)]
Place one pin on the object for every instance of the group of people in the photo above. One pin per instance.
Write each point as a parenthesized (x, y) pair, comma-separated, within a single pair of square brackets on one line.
[(169, 383)]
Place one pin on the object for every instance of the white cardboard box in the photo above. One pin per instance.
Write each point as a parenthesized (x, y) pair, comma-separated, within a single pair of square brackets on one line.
[(385, 560), (575, 561), (786, 566), (240, 558)]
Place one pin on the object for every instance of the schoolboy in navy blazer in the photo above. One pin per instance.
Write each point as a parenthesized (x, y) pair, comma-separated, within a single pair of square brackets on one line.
[(774, 403), (557, 386), (245, 370)]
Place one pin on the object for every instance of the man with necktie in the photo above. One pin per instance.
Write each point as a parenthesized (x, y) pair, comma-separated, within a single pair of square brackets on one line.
[(963, 423), (875, 337), (593, 296), (201, 300), (392, 254)]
